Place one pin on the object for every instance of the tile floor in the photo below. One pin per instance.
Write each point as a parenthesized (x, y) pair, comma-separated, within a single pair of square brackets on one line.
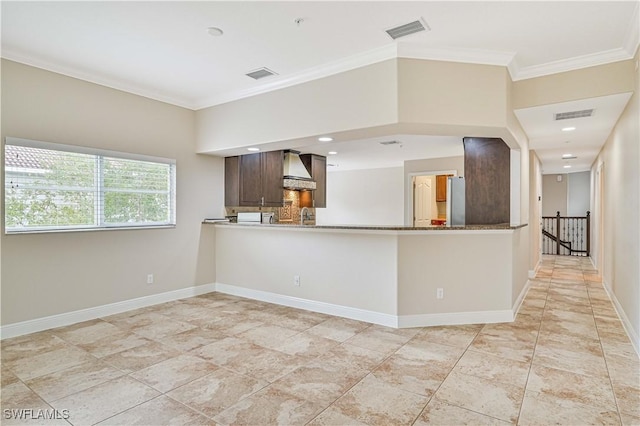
[(218, 359)]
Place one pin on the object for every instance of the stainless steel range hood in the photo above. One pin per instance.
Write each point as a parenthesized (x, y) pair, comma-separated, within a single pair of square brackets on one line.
[(295, 173)]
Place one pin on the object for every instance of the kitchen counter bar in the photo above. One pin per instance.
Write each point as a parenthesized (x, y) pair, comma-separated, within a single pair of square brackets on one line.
[(375, 227), (391, 275)]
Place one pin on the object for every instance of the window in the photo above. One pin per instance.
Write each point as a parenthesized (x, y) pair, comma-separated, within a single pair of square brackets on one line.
[(60, 187)]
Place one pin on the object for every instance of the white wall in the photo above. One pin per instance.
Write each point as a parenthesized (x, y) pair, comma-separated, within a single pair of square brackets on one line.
[(363, 197), (54, 273), (578, 193)]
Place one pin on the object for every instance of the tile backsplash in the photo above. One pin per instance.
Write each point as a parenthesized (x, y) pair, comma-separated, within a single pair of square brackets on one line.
[(289, 213)]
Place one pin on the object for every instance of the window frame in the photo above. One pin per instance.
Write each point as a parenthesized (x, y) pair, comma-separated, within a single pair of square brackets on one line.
[(99, 189)]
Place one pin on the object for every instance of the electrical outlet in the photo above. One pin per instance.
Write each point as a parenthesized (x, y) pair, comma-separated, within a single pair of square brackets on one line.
[(440, 293), (296, 280), (150, 279)]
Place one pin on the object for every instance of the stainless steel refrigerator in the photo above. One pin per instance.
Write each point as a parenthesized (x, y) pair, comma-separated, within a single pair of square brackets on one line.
[(455, 201)]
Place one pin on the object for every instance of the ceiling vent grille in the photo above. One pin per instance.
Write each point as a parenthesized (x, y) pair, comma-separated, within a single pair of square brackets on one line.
[(261, 73), (408, 29), (390, 143), (573, 114)]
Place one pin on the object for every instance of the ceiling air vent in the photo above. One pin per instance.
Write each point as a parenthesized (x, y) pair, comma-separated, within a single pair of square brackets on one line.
[(407, 29), (390, 143), (261, 73), (573, 114)]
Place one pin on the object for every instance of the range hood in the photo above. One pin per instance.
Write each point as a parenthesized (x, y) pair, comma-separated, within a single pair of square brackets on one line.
[(295, 173)]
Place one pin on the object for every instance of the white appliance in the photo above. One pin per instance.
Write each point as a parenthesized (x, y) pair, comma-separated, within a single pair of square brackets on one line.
[(250, 217)]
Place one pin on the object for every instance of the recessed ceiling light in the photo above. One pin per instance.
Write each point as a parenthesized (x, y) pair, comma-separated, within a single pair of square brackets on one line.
[(325, 139), (332, 152), (567, 155), (253, 149), (214, 31), (568, 129), (567, 166)]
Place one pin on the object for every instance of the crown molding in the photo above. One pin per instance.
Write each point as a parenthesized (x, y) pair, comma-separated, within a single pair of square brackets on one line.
[(578, 62), (632, 39)]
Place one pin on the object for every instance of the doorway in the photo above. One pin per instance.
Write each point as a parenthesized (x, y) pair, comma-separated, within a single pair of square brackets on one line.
[(424, 201)]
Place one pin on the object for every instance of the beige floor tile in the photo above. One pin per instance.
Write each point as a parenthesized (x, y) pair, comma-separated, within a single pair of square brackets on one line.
[(7, 377), (587, 390), (494, 368), (75, 379), (378, 340), (488, 397), (338, 329), (373, 401), (174, 372), (547, 410), (268, 336), (105, 400), (163, 328), (159, 411), (27, 346), (217, 391), (114, 343), (624, 370), (269, 406), (351, 356), (320, 382), (228, 350), (629, 420), (334, 417), (306, 344), (21, 406), (570, 353), (232, 325), (86, 332), (440, 413), (571, 328), (411, 375), (452, 335), (503, 347), (517, 332), (140, 357), (192, 339), (628, 399), (58, 359)]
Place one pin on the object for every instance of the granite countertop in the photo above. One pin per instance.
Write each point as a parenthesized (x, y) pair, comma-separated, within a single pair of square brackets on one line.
[(505, 226)]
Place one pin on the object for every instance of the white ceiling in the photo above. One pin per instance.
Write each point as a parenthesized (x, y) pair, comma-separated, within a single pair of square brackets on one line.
[(162, 50)]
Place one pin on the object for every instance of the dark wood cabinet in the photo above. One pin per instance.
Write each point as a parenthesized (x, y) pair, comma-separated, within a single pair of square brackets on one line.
[(441, 188), (254, 180), (317, 167)]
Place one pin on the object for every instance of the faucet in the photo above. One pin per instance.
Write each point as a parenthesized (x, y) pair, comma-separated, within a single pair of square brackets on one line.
[(303, 213)]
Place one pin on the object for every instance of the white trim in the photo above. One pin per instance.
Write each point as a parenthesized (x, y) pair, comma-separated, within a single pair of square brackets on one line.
[(628, 328), (455, 318), (454, 54), (518, 303), (532, 273), (632, 38), (387, 320), (68, 318)]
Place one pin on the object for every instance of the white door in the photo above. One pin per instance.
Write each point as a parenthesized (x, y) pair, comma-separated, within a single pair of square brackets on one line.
[(422, 201)]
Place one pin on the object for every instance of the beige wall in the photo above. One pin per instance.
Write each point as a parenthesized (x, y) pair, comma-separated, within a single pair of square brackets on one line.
[(535, 209), (363, 197), (554, 195), (619, 161), (48, 274), (585, 83), (361, 98)]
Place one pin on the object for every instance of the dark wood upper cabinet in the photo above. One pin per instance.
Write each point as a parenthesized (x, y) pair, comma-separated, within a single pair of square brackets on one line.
[(254, 180), (316, 165), (487, 175)]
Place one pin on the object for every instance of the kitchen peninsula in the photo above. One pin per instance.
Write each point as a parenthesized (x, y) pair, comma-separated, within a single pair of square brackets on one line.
[(393, 276)]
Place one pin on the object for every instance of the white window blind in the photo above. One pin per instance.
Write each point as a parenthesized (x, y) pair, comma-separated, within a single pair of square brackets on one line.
[(61, 187)]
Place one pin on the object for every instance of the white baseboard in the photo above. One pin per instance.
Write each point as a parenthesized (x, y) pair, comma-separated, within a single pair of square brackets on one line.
[(311, 305), (534, 271), (388, 320), (455, 318), (520, 299), (628, 328), (68, 318)]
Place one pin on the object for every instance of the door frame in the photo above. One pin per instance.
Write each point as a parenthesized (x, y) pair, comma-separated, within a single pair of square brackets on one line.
[(408, 190)]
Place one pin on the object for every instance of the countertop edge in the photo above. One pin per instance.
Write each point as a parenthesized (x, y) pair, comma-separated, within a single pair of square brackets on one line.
[(372, 227)]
